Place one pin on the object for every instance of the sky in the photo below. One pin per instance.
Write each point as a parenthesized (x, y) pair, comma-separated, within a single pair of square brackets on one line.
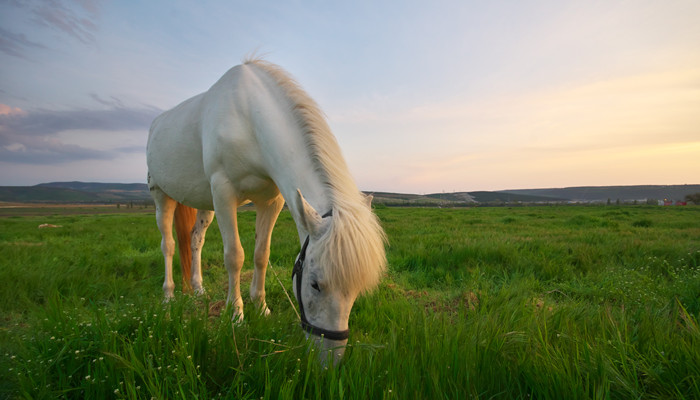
[(423, 96)]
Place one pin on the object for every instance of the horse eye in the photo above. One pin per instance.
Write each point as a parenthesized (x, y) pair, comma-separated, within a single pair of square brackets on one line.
[(315, 286)]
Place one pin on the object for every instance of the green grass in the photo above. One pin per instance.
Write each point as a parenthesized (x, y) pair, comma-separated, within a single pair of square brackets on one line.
[(532, 302)]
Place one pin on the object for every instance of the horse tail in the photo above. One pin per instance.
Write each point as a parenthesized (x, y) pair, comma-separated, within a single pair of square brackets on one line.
[(185, 218)]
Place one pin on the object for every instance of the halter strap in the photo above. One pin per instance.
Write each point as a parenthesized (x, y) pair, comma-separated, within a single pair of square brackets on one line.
[(305, 324)]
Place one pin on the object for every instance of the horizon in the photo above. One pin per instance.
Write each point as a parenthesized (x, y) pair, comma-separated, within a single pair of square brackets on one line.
[(422, 98), (384, 191)]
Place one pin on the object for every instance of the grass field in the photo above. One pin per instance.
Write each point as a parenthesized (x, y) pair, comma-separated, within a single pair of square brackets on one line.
[(532, 302)]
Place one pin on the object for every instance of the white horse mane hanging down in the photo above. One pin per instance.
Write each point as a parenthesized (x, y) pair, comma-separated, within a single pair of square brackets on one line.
[(256, 136)]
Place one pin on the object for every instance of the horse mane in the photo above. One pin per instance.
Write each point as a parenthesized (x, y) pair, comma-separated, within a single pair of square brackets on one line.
[(353, 258)]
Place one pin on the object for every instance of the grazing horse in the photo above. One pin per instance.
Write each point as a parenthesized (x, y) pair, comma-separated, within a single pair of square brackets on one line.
[(256, 136)]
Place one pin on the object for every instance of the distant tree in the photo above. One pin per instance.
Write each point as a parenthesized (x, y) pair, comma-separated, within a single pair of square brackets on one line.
[(695, 198)]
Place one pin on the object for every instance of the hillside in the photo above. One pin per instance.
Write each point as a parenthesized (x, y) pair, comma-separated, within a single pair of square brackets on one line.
[(623, 193), (583, 194), (76, 192), (93, 192)]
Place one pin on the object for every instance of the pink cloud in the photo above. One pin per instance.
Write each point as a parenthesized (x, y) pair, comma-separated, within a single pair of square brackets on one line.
[(7, 110)]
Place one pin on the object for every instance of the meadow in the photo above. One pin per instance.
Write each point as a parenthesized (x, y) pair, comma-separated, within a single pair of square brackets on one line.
[(552, 302)]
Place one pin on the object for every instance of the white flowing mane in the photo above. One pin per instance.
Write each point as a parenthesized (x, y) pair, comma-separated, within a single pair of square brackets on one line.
[(353, 257)]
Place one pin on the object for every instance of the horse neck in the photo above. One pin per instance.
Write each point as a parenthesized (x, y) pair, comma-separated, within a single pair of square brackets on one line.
[(292, 167), (291, 163)]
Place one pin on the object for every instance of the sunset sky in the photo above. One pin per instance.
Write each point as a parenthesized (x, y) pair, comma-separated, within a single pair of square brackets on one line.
[(423, 96)]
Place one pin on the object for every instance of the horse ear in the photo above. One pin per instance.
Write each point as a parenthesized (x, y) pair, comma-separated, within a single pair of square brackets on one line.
[(310, 219), (368, 200)]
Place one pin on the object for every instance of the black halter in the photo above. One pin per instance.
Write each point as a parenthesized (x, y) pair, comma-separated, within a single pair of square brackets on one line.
[(305, 324)]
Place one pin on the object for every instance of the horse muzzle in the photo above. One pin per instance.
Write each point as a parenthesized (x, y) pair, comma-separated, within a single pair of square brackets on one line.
[(330, 351)]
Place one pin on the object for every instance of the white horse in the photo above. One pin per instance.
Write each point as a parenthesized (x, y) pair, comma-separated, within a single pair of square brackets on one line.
[(256, 136)]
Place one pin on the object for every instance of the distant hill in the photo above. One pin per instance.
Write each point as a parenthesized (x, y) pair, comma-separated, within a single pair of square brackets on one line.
[(583, 194), (623, 193), (93, 192), (76, 192), (458, 198)]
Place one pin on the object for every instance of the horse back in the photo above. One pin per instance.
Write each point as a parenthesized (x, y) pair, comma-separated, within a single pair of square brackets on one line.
[(210, 134)]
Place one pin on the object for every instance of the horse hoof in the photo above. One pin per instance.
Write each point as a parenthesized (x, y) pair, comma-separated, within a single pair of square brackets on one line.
[(199, 291), (265, 312)]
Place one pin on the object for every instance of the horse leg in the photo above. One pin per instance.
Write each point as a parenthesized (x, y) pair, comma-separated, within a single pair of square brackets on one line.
[(225, 204), (204, 218), (264, 222), (165, 209)]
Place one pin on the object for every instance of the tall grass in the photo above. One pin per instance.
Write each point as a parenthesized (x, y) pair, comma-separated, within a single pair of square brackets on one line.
[(552, 302)]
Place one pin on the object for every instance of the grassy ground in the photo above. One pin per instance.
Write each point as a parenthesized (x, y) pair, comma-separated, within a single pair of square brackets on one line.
[(537, 302)]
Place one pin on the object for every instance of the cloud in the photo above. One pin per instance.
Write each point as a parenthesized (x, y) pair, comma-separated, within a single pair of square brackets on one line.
[(16, 44), (78, 20), (7, 110), (80, 23), (48, 122), (112, 102), (32, 137)]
